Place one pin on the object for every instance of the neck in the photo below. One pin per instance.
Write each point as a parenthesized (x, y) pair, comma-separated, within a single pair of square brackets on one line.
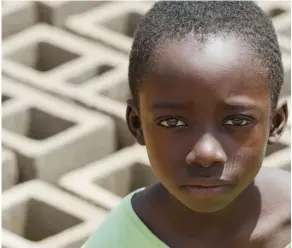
[(242, 211)]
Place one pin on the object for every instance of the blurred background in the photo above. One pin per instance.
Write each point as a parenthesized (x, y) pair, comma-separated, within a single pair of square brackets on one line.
[(67, 155)]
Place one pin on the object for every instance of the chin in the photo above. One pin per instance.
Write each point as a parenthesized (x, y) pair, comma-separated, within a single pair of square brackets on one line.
[(206, 208), (206, 205)]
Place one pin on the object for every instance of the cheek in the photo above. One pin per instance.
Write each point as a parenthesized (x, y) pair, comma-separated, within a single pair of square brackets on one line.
[(246, 158), (165, 154)]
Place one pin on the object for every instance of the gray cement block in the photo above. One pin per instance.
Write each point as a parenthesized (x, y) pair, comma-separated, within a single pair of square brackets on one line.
[(275, 9), (279, 154), (280, 14), (113, 24), (10, 98), (77, 244), (280, 159), (77, 239), (107, 181), (286, 88), (282, 24), (5, 98), (56, 12), (285, 44), (9, 169), (24, 12), (52, 137), (288, 99), (110, 98), (36, 214), (76, 80), (58, 62), (283, 142)]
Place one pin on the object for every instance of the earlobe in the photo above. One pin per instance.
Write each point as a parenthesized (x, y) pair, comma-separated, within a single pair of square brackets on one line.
[(278, 122), (133, 121)]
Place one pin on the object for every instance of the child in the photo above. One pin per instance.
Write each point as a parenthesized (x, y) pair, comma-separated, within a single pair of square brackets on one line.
[(205, 79)]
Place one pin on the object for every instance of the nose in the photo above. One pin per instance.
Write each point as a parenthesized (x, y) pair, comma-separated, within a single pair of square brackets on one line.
[(206, 151)]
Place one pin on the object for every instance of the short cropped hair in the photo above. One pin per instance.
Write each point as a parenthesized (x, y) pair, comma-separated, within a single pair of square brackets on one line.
[(174, 20)]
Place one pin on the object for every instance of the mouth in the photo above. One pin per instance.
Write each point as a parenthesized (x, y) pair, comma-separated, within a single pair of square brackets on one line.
[(207, 187)]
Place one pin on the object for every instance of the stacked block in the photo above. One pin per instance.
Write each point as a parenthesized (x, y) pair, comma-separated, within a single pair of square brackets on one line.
[(25, 12), (36, 214), (9, 169), (67, 155), (51, 137), (70, 62), (279, 154), (110, 98), (280, 14), (56, 12), (107, 181), (113, 24), (75, 69)]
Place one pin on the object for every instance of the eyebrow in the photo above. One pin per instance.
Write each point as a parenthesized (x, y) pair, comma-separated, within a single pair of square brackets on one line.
[(169, 105), (230, 106), (242, 106)]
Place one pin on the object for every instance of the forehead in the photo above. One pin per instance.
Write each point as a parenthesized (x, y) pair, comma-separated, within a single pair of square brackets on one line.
[(220, 65), (215, 54)]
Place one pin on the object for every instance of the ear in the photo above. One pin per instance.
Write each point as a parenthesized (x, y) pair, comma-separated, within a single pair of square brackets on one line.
[(278, 121), (133, 121)]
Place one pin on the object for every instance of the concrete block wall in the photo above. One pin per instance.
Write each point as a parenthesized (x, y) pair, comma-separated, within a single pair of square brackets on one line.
[(9, 169), (28, 13), (25, 12), (279, 154), (113, 24), (108, 180), (87, 69), (51, 137), (278, 11), (71, 62), (56, 12), (64, 98), (36, 214), (286, 88), (110, 98), (280, 14), (288, 99)]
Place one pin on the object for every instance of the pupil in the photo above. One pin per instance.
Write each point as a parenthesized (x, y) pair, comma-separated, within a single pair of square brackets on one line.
[(237, 120), (172, 121)]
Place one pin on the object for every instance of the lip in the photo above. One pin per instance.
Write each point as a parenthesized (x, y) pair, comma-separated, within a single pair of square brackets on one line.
[(206, 192), (208, 182), (207, 187)]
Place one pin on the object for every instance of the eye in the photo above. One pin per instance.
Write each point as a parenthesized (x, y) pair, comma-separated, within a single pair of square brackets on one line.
[(238, 121), (171, 122)]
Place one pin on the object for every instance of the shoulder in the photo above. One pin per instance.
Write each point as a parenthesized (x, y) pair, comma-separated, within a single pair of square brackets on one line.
[(275, 184), (119, 229), (275, 191), (106, 233)]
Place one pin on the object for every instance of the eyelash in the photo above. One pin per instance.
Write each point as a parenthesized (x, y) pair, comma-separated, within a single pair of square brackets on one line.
[(243, 118), (247, 119), (169, 118)]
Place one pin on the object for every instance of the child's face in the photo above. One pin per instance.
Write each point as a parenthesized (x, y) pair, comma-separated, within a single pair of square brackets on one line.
[(205, 114)]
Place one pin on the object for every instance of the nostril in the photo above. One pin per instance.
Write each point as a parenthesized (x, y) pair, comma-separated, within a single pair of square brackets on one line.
[(206, 152), (206, 158)]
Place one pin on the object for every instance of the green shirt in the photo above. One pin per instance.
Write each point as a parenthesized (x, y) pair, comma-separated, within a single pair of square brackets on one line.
[(124, 229)]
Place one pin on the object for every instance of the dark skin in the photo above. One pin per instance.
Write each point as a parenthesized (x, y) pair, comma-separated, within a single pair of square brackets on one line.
[(205, 111)]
